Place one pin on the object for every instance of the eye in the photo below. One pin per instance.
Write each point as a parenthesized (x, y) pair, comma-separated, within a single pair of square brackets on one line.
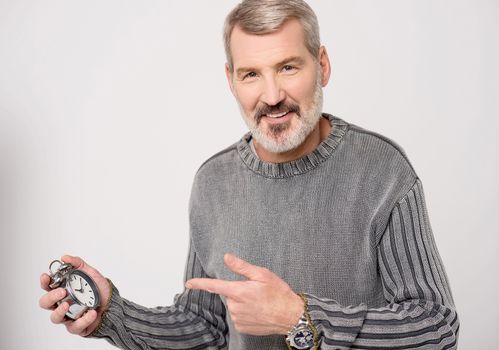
[(249, 75), (288, 69)]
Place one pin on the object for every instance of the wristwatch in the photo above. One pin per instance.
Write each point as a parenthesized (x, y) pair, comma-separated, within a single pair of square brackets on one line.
[(301, 336)]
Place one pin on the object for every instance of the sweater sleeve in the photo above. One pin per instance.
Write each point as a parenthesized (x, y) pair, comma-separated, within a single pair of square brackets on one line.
[(195, 321), (419, 313)]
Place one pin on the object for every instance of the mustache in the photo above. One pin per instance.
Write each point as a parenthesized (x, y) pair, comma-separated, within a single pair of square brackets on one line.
[(279, 108)]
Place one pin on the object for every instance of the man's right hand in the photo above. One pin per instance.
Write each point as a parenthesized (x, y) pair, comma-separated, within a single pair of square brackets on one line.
[(90, 320)]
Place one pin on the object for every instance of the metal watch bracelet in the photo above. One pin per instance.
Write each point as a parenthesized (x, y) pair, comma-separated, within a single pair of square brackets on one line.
[(303, 326)]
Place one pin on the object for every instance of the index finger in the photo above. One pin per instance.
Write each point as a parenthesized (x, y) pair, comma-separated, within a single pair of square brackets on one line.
[(212, 285)]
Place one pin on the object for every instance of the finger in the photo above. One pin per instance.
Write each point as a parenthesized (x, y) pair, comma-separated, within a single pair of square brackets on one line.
[(244, 268), (57, 316), (212, 285), (49, 300), (44, 282), (80, 325), (76, 261)]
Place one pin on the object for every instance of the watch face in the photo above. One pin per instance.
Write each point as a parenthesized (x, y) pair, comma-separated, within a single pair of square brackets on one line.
[(303, 339), (83, 288)]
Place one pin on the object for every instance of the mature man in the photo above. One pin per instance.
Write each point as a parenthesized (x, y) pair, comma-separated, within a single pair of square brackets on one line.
[(305, 203)]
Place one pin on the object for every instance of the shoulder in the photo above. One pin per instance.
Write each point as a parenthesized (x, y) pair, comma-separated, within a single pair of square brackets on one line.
[(377, 149), (375, 166), (219, 167), (379, 169), (219, 158)]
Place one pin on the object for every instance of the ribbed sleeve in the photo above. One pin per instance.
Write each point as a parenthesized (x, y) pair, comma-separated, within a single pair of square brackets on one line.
[(420, 311), (195, 321)]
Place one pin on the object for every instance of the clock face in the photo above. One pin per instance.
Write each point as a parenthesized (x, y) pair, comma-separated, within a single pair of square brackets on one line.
[(304, 339), (83, 289)]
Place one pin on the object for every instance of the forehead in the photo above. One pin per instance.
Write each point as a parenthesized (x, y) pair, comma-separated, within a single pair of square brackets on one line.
[(267, 49)]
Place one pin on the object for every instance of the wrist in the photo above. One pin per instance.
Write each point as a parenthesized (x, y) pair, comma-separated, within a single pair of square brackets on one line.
[(106, 294), (295, 310)]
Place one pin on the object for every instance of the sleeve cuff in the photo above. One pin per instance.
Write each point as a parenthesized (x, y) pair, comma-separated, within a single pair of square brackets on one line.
[(338, 326)]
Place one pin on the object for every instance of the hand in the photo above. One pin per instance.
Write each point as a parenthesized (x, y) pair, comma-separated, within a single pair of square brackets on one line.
[(262, 305), (89, 321)]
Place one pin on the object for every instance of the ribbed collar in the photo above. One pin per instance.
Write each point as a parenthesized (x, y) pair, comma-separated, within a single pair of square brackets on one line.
[(298, 166)]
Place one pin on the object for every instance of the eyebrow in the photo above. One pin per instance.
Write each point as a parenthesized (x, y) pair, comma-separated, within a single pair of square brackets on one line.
[(294, 59)]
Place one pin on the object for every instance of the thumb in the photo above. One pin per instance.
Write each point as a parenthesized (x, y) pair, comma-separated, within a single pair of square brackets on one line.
[(243, 268), (77, 262)]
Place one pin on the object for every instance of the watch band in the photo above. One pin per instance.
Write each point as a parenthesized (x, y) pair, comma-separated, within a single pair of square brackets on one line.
[(304, 323)]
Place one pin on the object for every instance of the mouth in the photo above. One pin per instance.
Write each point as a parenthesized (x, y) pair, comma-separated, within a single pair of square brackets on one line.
[(279, 113), (279, 118), (276, 116)]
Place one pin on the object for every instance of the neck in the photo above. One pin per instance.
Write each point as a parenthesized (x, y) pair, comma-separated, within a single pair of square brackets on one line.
[(320, 132)]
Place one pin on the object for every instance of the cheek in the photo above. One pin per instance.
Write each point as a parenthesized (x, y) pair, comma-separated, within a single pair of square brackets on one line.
[(301, 90), (247, 97)]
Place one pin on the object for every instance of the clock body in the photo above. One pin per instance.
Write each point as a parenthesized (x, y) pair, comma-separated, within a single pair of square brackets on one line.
[(82, 294)]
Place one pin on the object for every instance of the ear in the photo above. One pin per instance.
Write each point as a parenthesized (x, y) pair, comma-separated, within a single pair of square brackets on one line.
[(228, 74), (325, 65)]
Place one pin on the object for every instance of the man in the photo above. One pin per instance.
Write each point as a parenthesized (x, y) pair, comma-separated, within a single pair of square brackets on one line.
[(305, 203)]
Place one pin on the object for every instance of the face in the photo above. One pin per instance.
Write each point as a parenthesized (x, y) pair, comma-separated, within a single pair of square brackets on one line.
[(278, 85), (83, 290)]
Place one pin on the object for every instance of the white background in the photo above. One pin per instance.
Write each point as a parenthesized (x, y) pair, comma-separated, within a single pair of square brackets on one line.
[(107, 109)]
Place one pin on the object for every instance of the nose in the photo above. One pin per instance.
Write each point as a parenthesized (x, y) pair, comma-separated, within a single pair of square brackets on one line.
[(272, 92)]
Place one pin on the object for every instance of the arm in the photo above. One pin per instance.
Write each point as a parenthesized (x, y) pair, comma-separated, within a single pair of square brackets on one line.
[(419, 312), (195, 321)]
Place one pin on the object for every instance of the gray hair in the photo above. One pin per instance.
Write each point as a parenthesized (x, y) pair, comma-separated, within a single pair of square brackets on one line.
[(267, 16)]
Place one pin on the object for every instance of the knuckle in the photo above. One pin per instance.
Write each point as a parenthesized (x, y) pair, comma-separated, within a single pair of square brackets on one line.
[(44, 282), (89, 318), (55, 317), (47, 301), (54, 296), (238, 327), (71, 328), (233, 308), (41, 303), (43, 279), (265, 271)]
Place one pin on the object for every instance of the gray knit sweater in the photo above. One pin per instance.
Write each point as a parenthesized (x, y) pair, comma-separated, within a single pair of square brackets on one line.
[(346, 224)]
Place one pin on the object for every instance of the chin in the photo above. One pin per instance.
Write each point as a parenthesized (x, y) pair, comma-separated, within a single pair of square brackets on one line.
[(281, 144)]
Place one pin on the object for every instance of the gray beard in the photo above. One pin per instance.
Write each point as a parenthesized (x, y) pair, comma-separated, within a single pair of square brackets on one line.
[(275, 142)]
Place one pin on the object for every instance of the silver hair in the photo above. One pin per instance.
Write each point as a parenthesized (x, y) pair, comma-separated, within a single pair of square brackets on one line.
[(267, 16)]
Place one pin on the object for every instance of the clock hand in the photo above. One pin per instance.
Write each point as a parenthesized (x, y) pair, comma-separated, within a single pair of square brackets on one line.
[(81, 287)]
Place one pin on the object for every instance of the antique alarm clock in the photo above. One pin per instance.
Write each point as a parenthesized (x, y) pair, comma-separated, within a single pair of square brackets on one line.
[(81, 291)]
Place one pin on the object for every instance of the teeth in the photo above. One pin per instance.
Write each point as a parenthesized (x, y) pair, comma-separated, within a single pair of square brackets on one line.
[(277, 115)]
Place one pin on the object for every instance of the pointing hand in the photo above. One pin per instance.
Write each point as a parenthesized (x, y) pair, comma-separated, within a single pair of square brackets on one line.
[(263, 304)]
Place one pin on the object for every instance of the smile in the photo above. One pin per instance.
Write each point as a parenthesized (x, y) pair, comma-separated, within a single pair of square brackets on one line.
[(277, 115), (280, 118)]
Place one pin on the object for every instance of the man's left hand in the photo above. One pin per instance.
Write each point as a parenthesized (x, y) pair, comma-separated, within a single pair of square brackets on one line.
[(261, 305)]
